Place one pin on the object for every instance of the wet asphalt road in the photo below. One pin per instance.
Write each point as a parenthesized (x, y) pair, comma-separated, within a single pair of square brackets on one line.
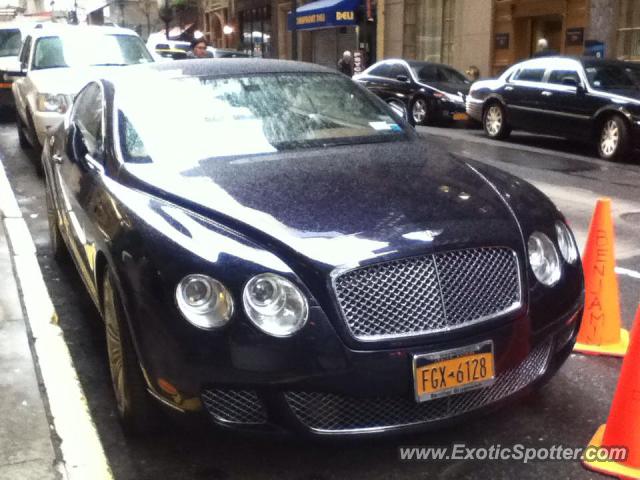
[(566, 411)]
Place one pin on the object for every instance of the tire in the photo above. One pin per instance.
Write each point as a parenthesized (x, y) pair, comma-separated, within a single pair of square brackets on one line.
[(58, 247), (22, 138), (419, 112), (494, 121), (613, 139), (137, 411)]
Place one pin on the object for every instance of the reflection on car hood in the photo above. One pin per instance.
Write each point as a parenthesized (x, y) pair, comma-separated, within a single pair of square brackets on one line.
[(627, 93), (342, 205)]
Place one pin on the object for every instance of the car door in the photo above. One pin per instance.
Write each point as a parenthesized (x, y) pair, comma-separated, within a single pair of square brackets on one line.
[(19, 86), (567, 108), (522, 93), (78, 174)]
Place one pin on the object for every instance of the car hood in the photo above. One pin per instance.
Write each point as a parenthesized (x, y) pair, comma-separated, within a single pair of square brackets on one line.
[(67, 81), (625, 93), (9, 63), (343, 205)]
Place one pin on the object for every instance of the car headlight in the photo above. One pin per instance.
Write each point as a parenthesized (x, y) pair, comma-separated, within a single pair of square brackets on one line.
[(204, 301), (275, 305), (47, 102), (566, 243), (543, 258)]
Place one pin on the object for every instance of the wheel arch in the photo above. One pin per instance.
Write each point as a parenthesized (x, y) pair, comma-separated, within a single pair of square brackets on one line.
[(605, 113)]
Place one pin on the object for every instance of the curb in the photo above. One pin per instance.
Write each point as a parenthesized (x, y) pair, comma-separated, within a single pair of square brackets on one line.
[(82, 454)]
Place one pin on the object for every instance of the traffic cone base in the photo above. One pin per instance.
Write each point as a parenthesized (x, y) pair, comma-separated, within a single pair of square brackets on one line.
[(618, 349), (609, 467)]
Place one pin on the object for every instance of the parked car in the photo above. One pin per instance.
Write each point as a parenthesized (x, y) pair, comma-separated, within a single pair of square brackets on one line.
[(293, 258), (55, 62), (11, 35), (586, 99), (428, 92), (226, 53)]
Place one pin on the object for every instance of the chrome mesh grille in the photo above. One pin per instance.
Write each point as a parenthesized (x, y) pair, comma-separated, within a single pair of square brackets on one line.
[(234, 406), (427, 294), (335, 413)]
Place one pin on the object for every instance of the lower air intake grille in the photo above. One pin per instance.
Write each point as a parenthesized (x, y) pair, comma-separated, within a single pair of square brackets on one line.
[(334, 413), (234, 406)]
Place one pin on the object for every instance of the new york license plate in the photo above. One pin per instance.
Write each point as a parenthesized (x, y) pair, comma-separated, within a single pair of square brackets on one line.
[(453, 371), (460, 116)]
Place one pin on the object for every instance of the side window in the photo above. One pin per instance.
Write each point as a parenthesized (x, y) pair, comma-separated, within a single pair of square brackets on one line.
[(529, 75), (428, 73), (24, 53), (383, 70), (398, 69), (564, 76), (87, 115)]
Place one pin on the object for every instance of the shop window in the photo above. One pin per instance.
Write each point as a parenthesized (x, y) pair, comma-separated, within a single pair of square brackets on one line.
[(628, 47), (255, 32)]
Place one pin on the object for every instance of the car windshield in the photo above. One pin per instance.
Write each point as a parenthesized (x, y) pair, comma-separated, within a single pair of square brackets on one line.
[(244, 115), (608, 77), (10, 42), (93, 49)]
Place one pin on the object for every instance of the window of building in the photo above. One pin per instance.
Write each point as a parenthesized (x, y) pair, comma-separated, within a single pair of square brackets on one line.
[(435, 30), (628, 47)]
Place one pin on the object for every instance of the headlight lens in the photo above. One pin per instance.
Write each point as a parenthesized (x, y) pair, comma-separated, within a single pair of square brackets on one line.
[(566, 243), (275, 305), (543, 259), (52, 103), (204, 301)]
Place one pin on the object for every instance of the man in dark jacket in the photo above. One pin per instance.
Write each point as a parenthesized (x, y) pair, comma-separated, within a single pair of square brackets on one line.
[(345, 64)]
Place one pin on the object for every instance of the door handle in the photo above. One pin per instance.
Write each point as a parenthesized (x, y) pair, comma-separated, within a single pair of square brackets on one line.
[(508, 88), (56, 158), (546, 93)]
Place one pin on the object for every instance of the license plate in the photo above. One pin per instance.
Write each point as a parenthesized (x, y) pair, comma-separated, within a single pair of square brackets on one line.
[(453, 371), (460, 116)]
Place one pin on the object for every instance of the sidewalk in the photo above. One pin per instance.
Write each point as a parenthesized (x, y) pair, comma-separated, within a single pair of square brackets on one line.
[(46, 429), (26, 448)]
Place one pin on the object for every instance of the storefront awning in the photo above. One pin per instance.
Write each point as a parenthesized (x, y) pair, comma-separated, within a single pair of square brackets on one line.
[(323, 14)]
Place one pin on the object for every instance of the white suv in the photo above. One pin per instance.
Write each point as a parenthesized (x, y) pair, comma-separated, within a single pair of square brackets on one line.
[(55, 62)]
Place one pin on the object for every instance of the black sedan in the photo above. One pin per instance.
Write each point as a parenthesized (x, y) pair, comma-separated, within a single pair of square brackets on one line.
[(299, 260), (588, 99), (426, 91)]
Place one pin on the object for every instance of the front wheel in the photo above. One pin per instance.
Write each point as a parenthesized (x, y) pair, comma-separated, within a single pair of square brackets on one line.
[(613, 139), (494, 122), (420, 112), (136, 409)]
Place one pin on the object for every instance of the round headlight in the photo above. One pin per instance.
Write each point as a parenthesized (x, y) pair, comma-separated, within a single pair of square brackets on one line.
[(275, 305), (566, 243), (543, 259), (204, 301)]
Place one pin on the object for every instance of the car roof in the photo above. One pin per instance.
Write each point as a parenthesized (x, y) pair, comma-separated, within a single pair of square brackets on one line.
[(61, 29), (209, 67)]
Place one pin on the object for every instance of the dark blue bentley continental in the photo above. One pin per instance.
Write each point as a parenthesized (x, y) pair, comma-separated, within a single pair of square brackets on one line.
[(289, 256)]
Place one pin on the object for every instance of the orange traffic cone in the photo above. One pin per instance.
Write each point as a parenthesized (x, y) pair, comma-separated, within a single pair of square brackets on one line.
[(623, 426), (601, 332)]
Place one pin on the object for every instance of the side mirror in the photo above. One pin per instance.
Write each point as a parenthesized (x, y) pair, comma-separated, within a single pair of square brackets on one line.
[(402, 78), (580, 90)]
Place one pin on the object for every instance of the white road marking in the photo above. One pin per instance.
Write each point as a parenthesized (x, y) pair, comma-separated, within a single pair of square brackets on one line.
[(627, 272)]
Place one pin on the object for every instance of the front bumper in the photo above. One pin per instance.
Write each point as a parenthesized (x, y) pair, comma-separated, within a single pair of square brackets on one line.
[(448, 110), (374, 395)]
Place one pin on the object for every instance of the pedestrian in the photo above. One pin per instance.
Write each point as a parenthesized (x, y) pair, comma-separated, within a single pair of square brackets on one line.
[(199, 49), (473, 73), (345, 64), (543, 49)]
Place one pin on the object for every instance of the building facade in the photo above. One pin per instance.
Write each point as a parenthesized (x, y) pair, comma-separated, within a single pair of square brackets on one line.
[(455, 32)]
